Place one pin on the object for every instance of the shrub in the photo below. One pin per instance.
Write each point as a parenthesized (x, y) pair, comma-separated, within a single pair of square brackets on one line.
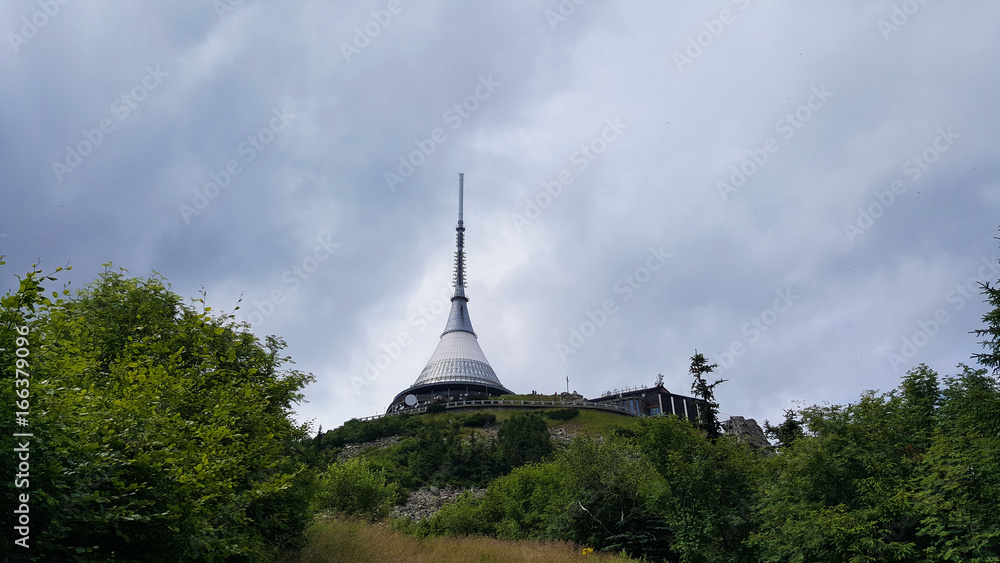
[(479, 419), (562, 414), (520, 505), (356, 431), (464, 517), (523, 438), (355, 489)]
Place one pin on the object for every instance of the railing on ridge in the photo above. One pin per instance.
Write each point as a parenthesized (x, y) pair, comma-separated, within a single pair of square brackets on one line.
[(514, 403)]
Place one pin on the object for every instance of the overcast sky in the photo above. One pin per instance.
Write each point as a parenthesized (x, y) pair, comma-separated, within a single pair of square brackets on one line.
[(802, 192)]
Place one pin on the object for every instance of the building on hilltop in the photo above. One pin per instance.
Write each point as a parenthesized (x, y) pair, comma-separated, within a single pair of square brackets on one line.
[(457, 369), (652, 401)]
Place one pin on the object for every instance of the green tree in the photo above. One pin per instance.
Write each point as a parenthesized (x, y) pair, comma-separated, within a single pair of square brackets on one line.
[(957, 486), (523, 438), (161, 432), (787, 432), (521, 505), (708, 409), (844, 491), (613, 492), (18, 308), (991, 333), (710, 491), (355, 489)]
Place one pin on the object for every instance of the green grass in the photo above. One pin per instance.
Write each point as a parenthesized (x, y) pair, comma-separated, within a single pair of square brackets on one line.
[(335, 540), (594, 422)]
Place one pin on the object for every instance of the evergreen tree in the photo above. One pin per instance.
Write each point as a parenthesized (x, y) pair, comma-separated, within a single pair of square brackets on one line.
[(708, 409), (786, 432), (990, 334)]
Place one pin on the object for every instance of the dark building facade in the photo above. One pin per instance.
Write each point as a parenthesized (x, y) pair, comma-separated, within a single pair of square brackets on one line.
[(652, 401)]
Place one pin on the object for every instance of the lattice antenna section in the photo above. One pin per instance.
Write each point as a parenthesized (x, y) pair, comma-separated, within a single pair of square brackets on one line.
[(459, 278)]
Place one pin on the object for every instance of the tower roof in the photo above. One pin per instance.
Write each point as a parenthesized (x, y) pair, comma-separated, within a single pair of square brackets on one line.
[(458, 357)]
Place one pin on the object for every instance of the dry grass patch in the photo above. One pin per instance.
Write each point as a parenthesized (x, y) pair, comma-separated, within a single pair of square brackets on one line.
[(335, 540)]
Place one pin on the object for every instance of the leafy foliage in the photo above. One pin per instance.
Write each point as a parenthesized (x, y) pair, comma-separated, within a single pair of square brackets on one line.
[(357, 431), (956, 488), (478, 419), (629, 492), (524, 438), (354, 488), (159, 431), (562, 414), (786, 432), (435, 454), (910, 475)]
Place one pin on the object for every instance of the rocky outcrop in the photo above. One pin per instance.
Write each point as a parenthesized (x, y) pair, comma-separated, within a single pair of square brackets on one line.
[(746, 430), (424, 503), (563, 434)]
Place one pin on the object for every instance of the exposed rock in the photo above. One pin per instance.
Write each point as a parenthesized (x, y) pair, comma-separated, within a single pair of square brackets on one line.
[(354, 450), (564, 433), (574, 396), (487, 432), (747, 431), (424, 503)]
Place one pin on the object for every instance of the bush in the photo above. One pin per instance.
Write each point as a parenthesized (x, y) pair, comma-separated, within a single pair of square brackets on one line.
[(355, 489), (479, 419), (521, 505), (464, 517), (357, 431), (523, 438), (435, 407), (562, 414)]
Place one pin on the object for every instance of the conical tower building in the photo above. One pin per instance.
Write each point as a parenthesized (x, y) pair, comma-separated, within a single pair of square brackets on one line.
[(457, 368)]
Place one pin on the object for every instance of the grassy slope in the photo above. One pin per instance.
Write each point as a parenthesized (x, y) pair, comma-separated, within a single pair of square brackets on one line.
[(334, 540)]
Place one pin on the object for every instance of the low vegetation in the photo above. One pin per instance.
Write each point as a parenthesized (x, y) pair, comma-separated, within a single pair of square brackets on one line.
[(337, 540)]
